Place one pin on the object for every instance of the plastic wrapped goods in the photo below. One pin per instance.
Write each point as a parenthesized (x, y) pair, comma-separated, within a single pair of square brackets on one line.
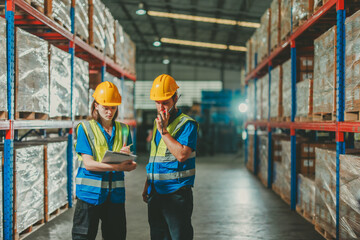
[(61, 12), (109, 33), (286, 163), (82, 19), (81, 89), (259, 97), (324, 72), (264, 96), (29, 186), (39, 3), (325, 196), (263, 35), (119, 44), (276, 93), (129, 54), (254, 48), (303, 90), (128, 100), (285, 18), (306, 195), (278, 177), (286, 88), (33, 77), (249, 62), (3, 66), (1, 198), (99, 23), (349, 197), (352, 71), (57, 175), (60, 83), (251, 101), (275, 24), (263, 158), (250, 162), (301, 10)]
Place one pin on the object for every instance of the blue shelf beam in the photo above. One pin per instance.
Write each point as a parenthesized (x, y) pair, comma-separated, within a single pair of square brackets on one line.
[(270, 165), (255, 154), (293, 192)]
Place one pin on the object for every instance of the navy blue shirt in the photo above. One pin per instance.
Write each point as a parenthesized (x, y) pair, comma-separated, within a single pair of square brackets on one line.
[(187, 135), (83, 145)]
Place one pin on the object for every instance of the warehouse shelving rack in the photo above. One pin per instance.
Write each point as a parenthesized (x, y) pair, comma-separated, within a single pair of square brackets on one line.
[(331, 13), (32, 19)]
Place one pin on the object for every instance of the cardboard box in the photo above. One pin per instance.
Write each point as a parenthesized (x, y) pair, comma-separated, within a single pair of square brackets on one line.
[(306, 63)]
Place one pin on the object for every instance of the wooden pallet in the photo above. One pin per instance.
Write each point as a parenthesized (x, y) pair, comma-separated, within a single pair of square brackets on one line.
[(57, 212), (285, 198), (81, 117), (3, 115), (306, 215), (353, 116), (60, 118), (318, 117), (58, 21), (276, 190), (82, 38), (303, 119), (31, 116), (323, 232), (29, 230)]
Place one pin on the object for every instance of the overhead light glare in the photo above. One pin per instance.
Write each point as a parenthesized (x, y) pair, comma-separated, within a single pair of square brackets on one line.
[(157, 43), (166, 61), (141, 11), (202, 44), (203, 19)]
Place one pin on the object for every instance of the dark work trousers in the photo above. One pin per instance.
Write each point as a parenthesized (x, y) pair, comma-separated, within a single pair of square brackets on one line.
[(170, 215), (87, 216)]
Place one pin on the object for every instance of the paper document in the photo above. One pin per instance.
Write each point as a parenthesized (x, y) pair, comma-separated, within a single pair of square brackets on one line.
[(117, 157)]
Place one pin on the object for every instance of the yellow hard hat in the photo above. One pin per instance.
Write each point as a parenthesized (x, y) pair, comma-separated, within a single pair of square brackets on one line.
[(163, 88), (107, 94)]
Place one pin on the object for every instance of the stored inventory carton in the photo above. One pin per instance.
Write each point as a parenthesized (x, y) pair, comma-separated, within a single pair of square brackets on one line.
[(276, 93)]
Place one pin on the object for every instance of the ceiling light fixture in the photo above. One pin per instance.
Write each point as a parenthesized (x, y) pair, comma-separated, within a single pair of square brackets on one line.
[(141, 11), (156, 43), (166, 61), (203, 44), (203, 19)]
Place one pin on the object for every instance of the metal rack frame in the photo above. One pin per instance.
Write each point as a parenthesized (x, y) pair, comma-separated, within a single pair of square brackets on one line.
[(339, 127), (55, 33)]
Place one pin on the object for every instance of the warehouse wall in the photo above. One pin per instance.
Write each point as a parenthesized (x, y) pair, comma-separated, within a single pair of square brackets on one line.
[(149, 71)]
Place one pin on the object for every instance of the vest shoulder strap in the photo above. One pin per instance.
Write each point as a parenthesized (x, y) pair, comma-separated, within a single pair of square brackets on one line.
[(90, 135)]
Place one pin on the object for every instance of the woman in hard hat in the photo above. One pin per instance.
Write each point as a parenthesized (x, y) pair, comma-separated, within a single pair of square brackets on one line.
[(100, 186), (171, 167)]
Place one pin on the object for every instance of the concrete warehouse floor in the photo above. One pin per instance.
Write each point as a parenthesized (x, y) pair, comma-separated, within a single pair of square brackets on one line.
[(229, 204)]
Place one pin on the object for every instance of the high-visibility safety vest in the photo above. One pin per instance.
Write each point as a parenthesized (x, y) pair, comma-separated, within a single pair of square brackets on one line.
[(94, 187), (164, 171)]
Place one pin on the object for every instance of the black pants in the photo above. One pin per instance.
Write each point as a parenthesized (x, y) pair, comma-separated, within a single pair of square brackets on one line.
[(87, 216), (170, 215)]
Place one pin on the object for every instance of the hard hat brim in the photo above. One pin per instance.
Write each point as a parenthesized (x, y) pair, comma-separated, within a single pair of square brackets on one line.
[(110, 104), (161, 98)]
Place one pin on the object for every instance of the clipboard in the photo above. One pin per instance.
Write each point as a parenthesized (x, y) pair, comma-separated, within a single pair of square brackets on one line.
[(117, 157)]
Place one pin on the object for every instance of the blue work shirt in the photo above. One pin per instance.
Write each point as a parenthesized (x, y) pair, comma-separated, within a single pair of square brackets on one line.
[(187, 135), (83, 145)]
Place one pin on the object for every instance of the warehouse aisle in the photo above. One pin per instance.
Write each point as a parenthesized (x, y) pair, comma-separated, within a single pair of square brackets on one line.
[(230, 204)]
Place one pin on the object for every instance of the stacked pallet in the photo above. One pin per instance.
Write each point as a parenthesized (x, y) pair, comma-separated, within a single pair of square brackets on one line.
[(251, 115), (250, 161), (82, 19), (264, 96), (263, 159), (285, 16), (3, 70), (286, 88), (275, 26), (61, 12), (263, 36), (276, 106), (109, 33), (259, 99), (32, 77), (301, 11), (81, 88), (1, 195), (325, 76), (60, 83), (306, 197), (304, 99), (352, 71)]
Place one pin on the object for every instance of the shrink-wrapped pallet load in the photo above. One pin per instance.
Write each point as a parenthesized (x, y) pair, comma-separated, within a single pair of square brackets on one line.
[(60, 83), (57, 175), (285, 13), (352, 65), (259, 99), (304, 98), (119, 44), (249, 66), (1, 197), (81, 88), (275, 27), (276, 93), (61, 12), (263, 159), (263, 36), (97, 33), (250, 153), (286, 88), (306, 196), (3, 68), (251, 115), (32, 81), (301, 11), (264, 96), (325, 72), (109, 33), (29, 166), (82, 19)]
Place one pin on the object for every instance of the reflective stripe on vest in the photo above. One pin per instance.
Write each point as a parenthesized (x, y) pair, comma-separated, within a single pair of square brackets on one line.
[(160, 157), (173, 175), (98, 182)]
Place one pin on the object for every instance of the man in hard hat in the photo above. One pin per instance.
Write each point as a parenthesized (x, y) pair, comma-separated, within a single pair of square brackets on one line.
[(171, 167)]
